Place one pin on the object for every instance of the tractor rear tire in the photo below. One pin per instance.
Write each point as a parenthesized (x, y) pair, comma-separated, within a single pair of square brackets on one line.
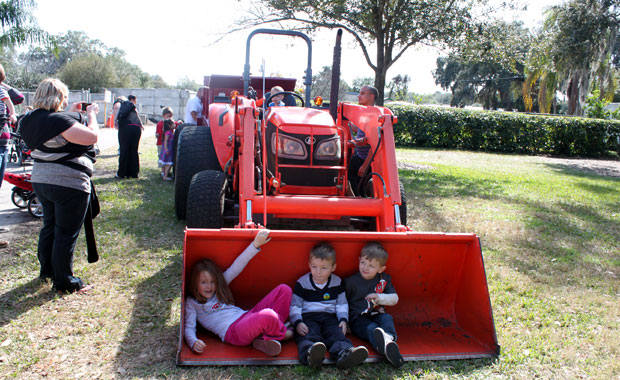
[(195, 153), (175, 144), (403, 204), (205, 200)]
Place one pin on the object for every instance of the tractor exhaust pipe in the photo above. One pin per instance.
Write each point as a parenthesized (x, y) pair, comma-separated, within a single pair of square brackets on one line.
[(333, 95)]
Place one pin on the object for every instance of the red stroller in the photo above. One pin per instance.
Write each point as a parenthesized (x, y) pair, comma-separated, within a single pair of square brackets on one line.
[(22, 194)]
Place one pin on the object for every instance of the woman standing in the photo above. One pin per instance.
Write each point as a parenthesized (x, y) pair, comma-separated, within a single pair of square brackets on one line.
[(129, 133), (62, 144)]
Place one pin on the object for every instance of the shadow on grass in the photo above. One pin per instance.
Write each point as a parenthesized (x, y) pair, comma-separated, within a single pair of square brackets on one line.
[(603, 171), (560, 239), (145, 217), (150, 342), (21, 299)]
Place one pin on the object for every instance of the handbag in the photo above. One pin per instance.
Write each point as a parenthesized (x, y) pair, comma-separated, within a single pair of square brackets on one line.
[(94, 201)]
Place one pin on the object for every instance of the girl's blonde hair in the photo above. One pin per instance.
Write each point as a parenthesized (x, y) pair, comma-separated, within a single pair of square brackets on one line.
[(222, 291), (50, 95)]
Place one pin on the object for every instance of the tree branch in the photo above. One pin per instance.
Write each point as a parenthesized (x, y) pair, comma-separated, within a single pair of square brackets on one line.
[(261, 21)]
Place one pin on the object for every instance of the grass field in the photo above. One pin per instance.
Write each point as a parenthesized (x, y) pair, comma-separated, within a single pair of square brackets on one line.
[(549, 232)]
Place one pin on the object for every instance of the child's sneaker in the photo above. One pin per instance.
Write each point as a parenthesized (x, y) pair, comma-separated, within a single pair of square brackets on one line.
[(351, 357), (387, 347), (316, 354), (269, 347), (392, 354)]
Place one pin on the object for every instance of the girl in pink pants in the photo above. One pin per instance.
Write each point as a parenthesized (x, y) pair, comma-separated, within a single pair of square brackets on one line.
[(212, 305)]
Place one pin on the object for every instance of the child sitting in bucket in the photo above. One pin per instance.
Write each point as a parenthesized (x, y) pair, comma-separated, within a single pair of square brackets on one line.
[(319, 312), (368, 291), (212, 304)]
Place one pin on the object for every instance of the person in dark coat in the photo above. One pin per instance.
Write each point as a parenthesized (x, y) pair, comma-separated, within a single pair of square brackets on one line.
[(129, 132)]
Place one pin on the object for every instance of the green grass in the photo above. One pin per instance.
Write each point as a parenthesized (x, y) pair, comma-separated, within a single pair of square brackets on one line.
[(549, 235)]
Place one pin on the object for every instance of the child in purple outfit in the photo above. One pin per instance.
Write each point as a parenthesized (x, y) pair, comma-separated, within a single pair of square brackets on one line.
[(166, 159)]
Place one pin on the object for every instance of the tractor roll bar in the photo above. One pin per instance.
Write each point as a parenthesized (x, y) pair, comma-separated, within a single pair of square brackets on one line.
[(246, 69)]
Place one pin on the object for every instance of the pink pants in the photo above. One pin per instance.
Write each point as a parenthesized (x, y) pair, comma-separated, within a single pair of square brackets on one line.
[(266, 318)]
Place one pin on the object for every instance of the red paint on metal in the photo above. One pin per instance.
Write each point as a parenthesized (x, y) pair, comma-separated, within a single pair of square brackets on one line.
[(444, 310)]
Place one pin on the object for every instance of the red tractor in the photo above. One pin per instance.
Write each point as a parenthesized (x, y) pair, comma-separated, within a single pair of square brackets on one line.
[(285, 168)]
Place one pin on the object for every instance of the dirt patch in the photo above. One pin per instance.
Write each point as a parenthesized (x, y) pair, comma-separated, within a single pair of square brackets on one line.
[(607, 168), (410, 166)]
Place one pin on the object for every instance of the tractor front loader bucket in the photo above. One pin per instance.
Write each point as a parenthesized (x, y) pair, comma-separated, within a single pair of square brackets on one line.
[(444, 310)]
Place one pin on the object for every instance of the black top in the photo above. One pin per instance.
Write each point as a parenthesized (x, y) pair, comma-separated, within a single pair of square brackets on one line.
[(127, 114), (40, 125), (357, 289)]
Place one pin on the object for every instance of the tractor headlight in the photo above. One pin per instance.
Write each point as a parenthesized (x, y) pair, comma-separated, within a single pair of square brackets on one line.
[(328, 149), (288, 147)]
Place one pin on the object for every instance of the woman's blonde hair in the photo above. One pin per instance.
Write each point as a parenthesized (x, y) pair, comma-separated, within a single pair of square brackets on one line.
[(50, 94)]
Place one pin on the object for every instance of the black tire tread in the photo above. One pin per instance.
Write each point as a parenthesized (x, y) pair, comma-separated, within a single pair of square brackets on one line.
[(205, 200), (195, 153)]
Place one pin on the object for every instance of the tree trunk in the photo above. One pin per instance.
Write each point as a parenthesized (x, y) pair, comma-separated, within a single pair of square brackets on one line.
[(573, 93), (577, 92)]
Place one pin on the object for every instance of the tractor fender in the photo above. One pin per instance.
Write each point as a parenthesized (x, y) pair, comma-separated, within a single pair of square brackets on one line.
[(221, 121)]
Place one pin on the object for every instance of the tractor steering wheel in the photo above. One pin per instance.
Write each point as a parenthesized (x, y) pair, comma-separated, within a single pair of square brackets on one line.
[(268, 100)]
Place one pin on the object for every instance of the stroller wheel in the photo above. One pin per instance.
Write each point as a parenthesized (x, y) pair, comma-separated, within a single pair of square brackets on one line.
[(34, 207), (18, 199)]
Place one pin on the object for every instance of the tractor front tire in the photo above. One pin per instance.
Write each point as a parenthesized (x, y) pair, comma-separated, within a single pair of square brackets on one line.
[(205, 200), (195, 153)]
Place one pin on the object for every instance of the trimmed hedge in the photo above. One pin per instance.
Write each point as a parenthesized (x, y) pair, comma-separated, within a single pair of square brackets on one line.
[(506, 132)]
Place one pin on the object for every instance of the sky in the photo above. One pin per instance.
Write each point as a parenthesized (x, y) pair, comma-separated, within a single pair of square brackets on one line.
[(177, 39)]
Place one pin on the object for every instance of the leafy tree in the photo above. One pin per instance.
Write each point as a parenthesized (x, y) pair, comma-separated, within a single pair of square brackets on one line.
[(451, 75), (486, 65), (158, 82), (595, 107), (584, 47), (20, 75), (18, 25), (74, 51), (322, 82), (186, 83), (441, 97), (392, 26), (540, 76), (88, 71), (399, 87), (39, 62), (360, 82)]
